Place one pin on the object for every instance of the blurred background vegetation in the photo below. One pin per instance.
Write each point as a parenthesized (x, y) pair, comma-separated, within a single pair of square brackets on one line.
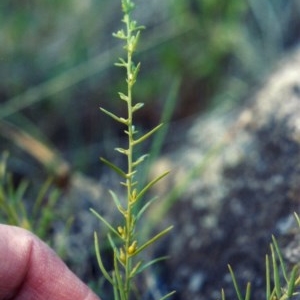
[(56, 65)]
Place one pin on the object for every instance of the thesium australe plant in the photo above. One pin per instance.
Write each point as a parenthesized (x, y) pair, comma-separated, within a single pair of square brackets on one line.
[(123, 236)]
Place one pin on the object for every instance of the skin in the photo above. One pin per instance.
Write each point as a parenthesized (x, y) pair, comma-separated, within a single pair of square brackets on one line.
[(30, 270)]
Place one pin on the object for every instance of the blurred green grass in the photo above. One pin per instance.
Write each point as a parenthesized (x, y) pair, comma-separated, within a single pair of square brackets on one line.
[(56, 64)]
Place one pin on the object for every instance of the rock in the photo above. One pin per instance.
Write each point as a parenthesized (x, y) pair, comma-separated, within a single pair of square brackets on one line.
[(235, 181)]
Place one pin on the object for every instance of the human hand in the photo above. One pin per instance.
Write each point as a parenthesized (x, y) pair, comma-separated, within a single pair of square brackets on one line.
[(30, 270)]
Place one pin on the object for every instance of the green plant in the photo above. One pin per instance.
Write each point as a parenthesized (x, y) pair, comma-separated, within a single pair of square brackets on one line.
[(123, 237), (36, 216), (280, 285)]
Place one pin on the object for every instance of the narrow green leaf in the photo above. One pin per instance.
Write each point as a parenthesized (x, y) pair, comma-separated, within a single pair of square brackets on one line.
[(122, 151), (119, 278), (133, 131), (130, 175), (116, 290), (248, 291), (292, 281), (236, 287), (147, 135), (135, 269), (105, 222), (168, 295), (18, 195), (124, 121), (277, 249), (43, 223), (121, 63), (41, 195), (223, 294), (123, 96), (140, 28), (137, 106), (150, 263), (297, 218), (10, 211), (114, 167), (150, 184), (120, 34), (112, 242), (275, 273), (153, 239), (3, 166), (116, 118), (135, 71), (140, 160), (145, 207), (268, 279), (124, 183), (99, 260), (117, 201), (135, 42)]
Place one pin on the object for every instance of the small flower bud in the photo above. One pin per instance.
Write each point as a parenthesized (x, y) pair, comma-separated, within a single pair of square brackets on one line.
[(132, 248), (122, 256), (122, 231)]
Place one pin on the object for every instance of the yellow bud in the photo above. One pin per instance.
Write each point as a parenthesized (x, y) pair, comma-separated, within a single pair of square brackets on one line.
[(132, 248), (122, 256), (120, 230)]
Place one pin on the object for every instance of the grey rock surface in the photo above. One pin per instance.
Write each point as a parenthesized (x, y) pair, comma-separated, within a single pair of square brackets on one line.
[(240, 177)]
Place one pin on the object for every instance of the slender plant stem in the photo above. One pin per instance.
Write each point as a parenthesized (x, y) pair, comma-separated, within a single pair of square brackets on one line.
[(130, 156), (126, 263)]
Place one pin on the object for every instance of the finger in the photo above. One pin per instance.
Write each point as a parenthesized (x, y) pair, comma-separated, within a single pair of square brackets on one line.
[(30, 270)]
